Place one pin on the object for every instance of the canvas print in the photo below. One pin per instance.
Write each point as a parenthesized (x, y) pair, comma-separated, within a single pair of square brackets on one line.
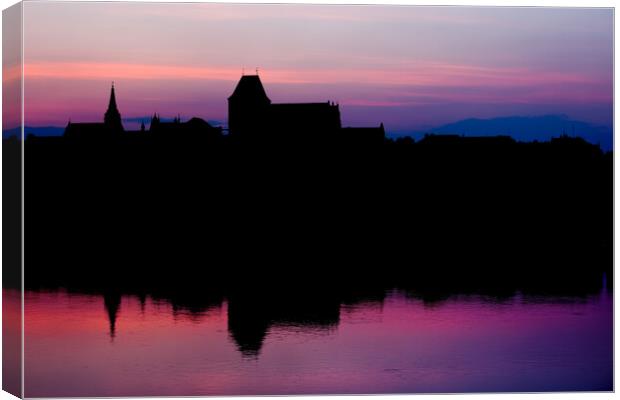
[(285, 199)]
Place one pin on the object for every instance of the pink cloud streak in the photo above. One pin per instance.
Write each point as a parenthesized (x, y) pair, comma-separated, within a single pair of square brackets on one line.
[(410, 74), (406, 84)]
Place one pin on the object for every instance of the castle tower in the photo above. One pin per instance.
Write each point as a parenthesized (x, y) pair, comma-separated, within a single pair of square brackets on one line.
[(112, 117), (248, 106)]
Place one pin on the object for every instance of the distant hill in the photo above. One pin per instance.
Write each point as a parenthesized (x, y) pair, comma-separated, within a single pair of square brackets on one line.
[(526, 129), (36, 130)]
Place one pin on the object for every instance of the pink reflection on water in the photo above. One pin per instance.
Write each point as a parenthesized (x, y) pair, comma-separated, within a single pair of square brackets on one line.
[(11, 341), (401, 345)]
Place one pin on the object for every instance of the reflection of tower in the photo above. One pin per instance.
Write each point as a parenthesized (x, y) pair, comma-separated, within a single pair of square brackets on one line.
[(247, 325), (142, 298), (251, 314), (112, 117), (112, 303), (248, 106)]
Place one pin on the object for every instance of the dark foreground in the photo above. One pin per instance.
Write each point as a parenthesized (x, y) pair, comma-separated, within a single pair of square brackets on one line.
[(222, 212), (474, 249)]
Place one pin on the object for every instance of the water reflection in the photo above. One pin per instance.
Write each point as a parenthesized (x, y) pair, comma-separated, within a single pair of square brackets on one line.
[(112, 304), (252, 313), (318, 339), (302, 342), (250, 317)]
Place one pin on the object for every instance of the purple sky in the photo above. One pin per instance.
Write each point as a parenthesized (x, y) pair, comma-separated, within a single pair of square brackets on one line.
[(408, 67)]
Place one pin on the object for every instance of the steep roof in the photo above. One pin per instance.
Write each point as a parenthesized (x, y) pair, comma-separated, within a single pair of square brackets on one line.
[(249, 87), (112, 104)]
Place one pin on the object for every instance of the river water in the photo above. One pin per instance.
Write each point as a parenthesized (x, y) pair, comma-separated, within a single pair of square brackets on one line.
[(124, 345)]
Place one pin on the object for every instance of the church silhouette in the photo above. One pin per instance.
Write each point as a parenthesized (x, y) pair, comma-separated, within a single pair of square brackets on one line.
[(111, 125), (251, 116)]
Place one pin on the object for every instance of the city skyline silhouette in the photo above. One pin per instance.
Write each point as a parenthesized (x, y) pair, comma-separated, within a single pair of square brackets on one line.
[(537, 128), (252, 116)]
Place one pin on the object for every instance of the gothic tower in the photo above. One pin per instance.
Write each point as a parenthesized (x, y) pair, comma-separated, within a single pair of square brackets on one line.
[(112, 118), (248, 106)]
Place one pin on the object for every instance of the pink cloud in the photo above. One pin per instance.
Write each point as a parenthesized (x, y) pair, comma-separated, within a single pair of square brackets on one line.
[(202, 91), (410, 74)]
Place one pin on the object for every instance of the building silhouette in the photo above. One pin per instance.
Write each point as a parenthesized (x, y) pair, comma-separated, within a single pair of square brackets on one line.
[(251, 111), (251, 114), (248, 106), (111, 124)]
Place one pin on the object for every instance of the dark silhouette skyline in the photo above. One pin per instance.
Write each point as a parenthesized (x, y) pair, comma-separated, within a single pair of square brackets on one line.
[(252, 117), (311, 212), (252, 111), (533, 128)]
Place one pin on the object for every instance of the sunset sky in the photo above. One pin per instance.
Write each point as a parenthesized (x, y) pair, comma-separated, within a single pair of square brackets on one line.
[(408, 67)]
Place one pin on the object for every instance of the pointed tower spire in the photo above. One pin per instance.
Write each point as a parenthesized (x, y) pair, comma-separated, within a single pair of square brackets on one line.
[(112, 117), (112, 105)]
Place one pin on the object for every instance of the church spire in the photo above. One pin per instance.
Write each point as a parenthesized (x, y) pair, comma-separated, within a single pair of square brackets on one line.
[(112, 105), (112, 116)]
